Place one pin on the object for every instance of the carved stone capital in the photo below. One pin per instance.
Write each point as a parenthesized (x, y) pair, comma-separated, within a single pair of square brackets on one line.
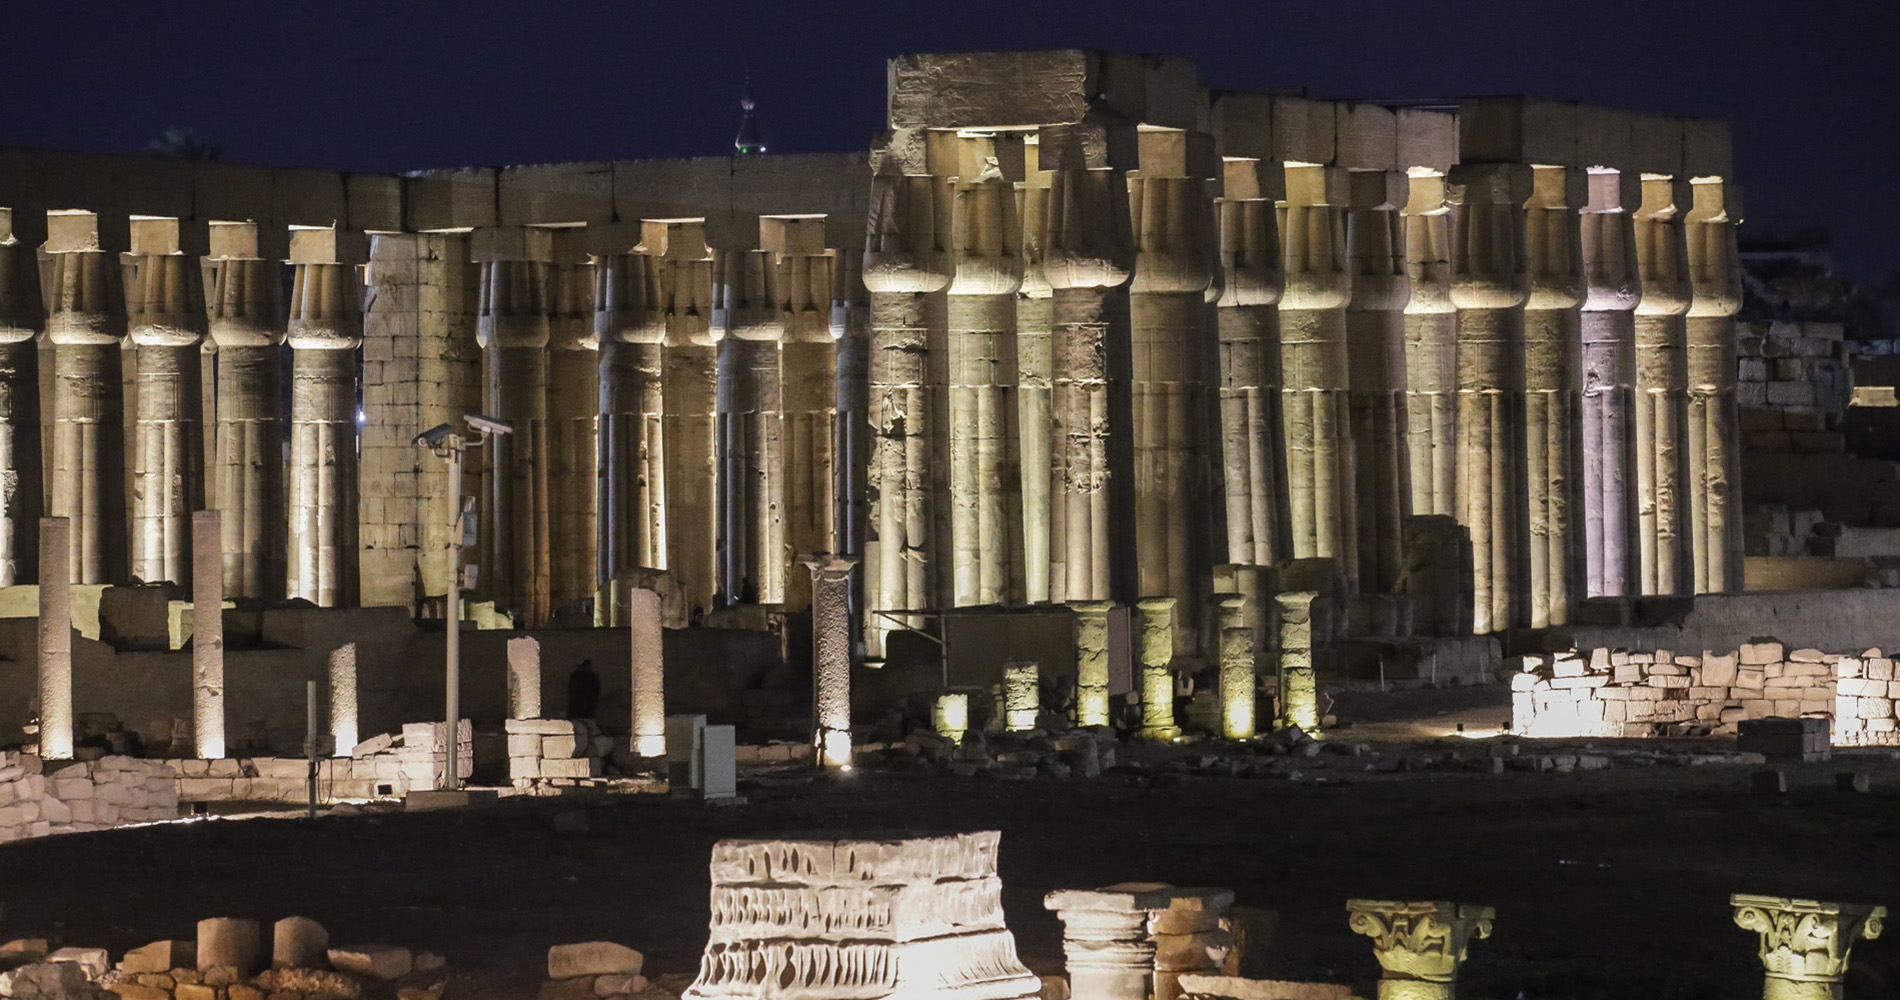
[(1419, 940), (1803, 940)]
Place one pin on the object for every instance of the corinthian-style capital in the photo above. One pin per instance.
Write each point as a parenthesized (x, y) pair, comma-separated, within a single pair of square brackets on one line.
[(1419, 940), (1805, 941)]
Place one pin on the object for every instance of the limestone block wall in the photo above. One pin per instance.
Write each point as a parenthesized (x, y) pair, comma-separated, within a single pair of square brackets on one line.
[(383, 766), (1623, 693), (38, 798), (550, 751)]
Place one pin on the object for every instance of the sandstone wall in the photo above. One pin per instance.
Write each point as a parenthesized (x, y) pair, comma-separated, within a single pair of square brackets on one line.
[(38, 797)]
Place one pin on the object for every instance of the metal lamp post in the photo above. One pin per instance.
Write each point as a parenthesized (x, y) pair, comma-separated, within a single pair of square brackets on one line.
[(447, 443)]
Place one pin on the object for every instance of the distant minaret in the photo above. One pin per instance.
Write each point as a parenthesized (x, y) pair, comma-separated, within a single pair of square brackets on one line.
[(748, 140)]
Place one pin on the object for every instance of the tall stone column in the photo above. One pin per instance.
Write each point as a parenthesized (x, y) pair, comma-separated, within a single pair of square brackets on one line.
[(1431, 349), (1662, 389), (690, 387), (207, 633), (1553, 376), (986, 513), (630, 327), (1419, 945), (166, 316), (1299, 682), (1313, 352), (1171, 346), (1489, 287), (648, 681), (85, 322), (1156, 651), (1105, 939), (850, 328), (1035, 379), (1375, 338), (512, 327), (247, 325), (56, 639), (573, 392), (324, 330), (524, 677), (1091, 662), (1806, 944), (1250, 380), (1088, 260), (21, 318), (751, 410), (906, 268), (343, 704), (1609, 384), (831, 658), (1714, 428), (1236, 666), (808, 366)]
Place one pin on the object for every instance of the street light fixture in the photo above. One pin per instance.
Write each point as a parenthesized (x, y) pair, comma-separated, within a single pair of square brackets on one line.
[(448, 443)]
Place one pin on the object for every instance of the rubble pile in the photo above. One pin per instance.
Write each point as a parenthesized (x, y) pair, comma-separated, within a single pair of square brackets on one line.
[(228, 961), (593, 970)]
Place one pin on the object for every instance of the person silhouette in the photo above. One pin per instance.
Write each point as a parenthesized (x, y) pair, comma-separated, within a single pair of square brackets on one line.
[(583, 691)]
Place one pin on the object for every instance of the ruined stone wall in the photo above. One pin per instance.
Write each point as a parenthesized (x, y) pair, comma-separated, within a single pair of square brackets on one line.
[(38, 797), (1622, 693)]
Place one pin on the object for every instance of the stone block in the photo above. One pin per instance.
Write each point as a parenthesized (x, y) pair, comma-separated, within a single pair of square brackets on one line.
[(373, 961), (299, 942), (227, 941), (618, 985), (560, 747), (1718, 671), (1760, 653), (93, 961), (592, 958)]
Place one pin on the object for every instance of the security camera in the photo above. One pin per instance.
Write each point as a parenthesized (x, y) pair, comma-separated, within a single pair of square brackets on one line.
[(434, 436), (489, 425)]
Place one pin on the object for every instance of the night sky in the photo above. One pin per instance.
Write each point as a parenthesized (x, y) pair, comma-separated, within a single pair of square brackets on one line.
[(1813, 86)]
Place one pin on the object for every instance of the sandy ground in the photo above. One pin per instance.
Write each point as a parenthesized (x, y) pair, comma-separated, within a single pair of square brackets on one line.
[(1609, 883)]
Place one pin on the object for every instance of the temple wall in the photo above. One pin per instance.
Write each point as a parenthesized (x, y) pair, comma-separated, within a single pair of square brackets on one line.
[(1622, 693)]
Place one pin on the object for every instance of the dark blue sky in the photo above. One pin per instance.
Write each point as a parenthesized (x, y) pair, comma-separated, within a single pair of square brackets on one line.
[(1813, 86)]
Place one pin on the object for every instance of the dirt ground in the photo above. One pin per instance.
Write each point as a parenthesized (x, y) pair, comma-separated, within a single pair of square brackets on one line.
[(1608, 883)]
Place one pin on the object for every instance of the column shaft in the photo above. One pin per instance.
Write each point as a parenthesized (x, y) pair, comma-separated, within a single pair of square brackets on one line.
[(513, 328), (649, 673), (167, 321), (629, 328), (1250, 381), (1431, 350), (1609, 381), (1662, 392), (1714, 421), (1375, 337), (56, 640), (985, 499), (85, 320), (207, 635), (1553, 365), (1315, 404), (1156, 651), (325, 328), (689, 426), (1035, 378), (21, 318), (573, 393), (1091, 662), (831, 659)]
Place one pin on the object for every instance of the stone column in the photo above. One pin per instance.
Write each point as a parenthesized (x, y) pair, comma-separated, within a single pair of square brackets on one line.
[(1022, 696), (343, 704), (247, 326), (808, 367), (1110, 955), (166, 317), (1236, 666), (1553, 376), (1088, 260), (1420, 945), (630, 327), (1157, 668), (1609, 384), (850, 330), (1662, 389), (1250, 381), (950, 716), (1313, 354), (512, 327), (1714, 431), (524, 677), (1171, 345), (906, 267), (1375, 338), (1431, 348), (573, 392), (325, 328), (690, 386), (1299, 687), (1806, 944), (56, 639), (207, 633), (1489, 287), (1035, 379), (85, 321), (751, 427), (1091, 662), (649, 673), (986, 513), (831, 658), (21, 318)]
